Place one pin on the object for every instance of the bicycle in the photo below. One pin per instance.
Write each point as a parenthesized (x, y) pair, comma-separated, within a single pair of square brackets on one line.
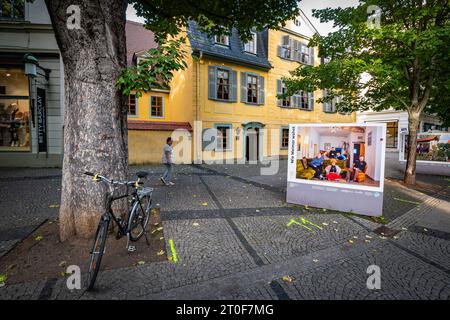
[(133, 226)]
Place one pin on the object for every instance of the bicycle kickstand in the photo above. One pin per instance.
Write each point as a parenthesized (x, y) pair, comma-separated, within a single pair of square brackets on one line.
[(130, 248)]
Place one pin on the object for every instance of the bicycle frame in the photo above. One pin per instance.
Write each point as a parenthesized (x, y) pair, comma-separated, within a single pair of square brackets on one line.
[(110, 199)]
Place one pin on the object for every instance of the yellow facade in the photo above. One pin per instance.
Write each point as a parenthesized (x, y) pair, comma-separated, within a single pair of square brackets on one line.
[(188, 101)]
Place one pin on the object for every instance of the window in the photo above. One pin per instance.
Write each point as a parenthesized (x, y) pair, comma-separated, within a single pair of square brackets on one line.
[(304, 54), (297, 22), (286, 102), (15, 115), (223, 84), (132, 110), (156, 106), (251, 45), (295, 50), (285, 50), (302, 100), (392, 134), (223, 137), (284, 138), (329, 106), (223, 39), (252, 89), (12, 9)]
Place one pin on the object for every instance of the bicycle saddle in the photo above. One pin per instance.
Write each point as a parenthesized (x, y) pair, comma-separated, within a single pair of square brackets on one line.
[(141, 174)]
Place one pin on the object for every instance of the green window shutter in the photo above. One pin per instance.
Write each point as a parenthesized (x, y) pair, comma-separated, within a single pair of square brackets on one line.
[(279, 53), (261, 90), (208, 140), (311, 100), (233, 86), (212, 83), (279, 91), (244, 87)]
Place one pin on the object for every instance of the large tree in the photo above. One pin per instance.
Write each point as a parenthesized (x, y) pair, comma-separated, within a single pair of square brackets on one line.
[(384, 54), (94, 57)]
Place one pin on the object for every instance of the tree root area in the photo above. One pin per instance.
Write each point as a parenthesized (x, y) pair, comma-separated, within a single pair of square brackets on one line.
[(41, 255)]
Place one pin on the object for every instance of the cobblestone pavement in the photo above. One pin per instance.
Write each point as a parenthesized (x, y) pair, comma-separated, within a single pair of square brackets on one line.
[(231, 229)]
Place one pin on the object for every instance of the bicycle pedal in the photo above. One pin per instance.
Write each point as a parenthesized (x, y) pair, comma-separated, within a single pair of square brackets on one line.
[(131, 248)]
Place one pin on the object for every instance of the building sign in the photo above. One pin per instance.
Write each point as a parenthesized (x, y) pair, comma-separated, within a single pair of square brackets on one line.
[(337, 166), (41, 111)]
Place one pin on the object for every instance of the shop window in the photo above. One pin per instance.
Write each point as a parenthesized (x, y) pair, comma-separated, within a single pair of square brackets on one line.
[(156, 106), (392, 134), (14, 110)]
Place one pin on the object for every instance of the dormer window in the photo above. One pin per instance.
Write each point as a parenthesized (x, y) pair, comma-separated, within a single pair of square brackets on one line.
[(222, 39), (251, 45)]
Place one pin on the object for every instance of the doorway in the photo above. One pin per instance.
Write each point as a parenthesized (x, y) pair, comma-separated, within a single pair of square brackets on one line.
[(253, 132), (252, 145)]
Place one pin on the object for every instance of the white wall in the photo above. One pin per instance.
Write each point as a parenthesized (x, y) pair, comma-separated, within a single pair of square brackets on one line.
[(373, 153), (36, 12)]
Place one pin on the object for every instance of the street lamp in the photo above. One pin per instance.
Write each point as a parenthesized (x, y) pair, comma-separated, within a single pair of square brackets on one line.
[(31, 65)]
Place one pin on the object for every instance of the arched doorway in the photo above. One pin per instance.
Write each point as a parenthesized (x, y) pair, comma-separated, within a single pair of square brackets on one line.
[(253, 141)]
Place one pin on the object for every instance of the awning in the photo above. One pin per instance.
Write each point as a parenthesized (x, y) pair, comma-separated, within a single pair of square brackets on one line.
[(427, 139), (158, 125)]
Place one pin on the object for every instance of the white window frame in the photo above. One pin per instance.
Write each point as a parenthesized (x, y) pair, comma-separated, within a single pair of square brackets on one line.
[(253, 41), (162, 106), (225, 37)]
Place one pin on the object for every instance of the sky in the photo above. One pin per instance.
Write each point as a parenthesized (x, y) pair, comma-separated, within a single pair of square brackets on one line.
[(305, 5)]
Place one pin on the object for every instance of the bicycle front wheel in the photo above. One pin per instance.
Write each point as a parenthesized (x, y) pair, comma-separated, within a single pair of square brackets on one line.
[(98, 249), (139, 217)]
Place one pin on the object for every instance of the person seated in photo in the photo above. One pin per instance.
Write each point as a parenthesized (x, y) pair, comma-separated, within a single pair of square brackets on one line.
[(316, 165), (333, 171), (332, 153), (358, 167), (340, 156)]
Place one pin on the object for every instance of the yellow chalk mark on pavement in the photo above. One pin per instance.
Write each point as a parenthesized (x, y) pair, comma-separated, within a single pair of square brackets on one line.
[(304, 221), (174, 252)]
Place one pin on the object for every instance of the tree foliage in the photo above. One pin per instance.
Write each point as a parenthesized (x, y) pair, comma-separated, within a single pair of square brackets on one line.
[(402, 64), (169, 18)]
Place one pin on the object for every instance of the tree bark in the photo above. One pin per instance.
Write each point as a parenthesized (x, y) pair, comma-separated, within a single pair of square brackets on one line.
[(95, 127), (413, 123)]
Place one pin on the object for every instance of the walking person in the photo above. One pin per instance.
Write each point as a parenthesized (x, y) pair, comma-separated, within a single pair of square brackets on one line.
[(167, 160)]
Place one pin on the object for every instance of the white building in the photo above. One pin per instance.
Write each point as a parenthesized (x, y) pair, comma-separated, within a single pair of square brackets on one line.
[(397, 125), (31, 107)]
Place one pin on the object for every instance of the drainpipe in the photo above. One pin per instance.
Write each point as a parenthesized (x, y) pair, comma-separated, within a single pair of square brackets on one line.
[(197, 105)]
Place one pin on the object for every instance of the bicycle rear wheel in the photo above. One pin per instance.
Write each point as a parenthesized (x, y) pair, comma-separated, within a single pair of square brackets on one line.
[(98, 249), (139, 217)]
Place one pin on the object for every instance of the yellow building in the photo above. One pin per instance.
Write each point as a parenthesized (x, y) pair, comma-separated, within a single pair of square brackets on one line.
[(225, 102)]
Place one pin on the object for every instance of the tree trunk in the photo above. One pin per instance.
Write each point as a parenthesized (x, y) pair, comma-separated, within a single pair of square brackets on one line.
[(410, 172), (95, 127)]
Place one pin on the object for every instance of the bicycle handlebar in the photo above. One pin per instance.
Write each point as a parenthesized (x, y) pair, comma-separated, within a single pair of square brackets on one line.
[(110, 181)]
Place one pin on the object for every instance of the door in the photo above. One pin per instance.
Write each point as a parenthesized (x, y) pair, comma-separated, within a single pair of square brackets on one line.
[(252, 144)]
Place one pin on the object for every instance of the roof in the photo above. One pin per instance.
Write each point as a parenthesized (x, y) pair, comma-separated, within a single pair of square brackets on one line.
[(202, 42), (158, 125), (138, 39), (427, 139)]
